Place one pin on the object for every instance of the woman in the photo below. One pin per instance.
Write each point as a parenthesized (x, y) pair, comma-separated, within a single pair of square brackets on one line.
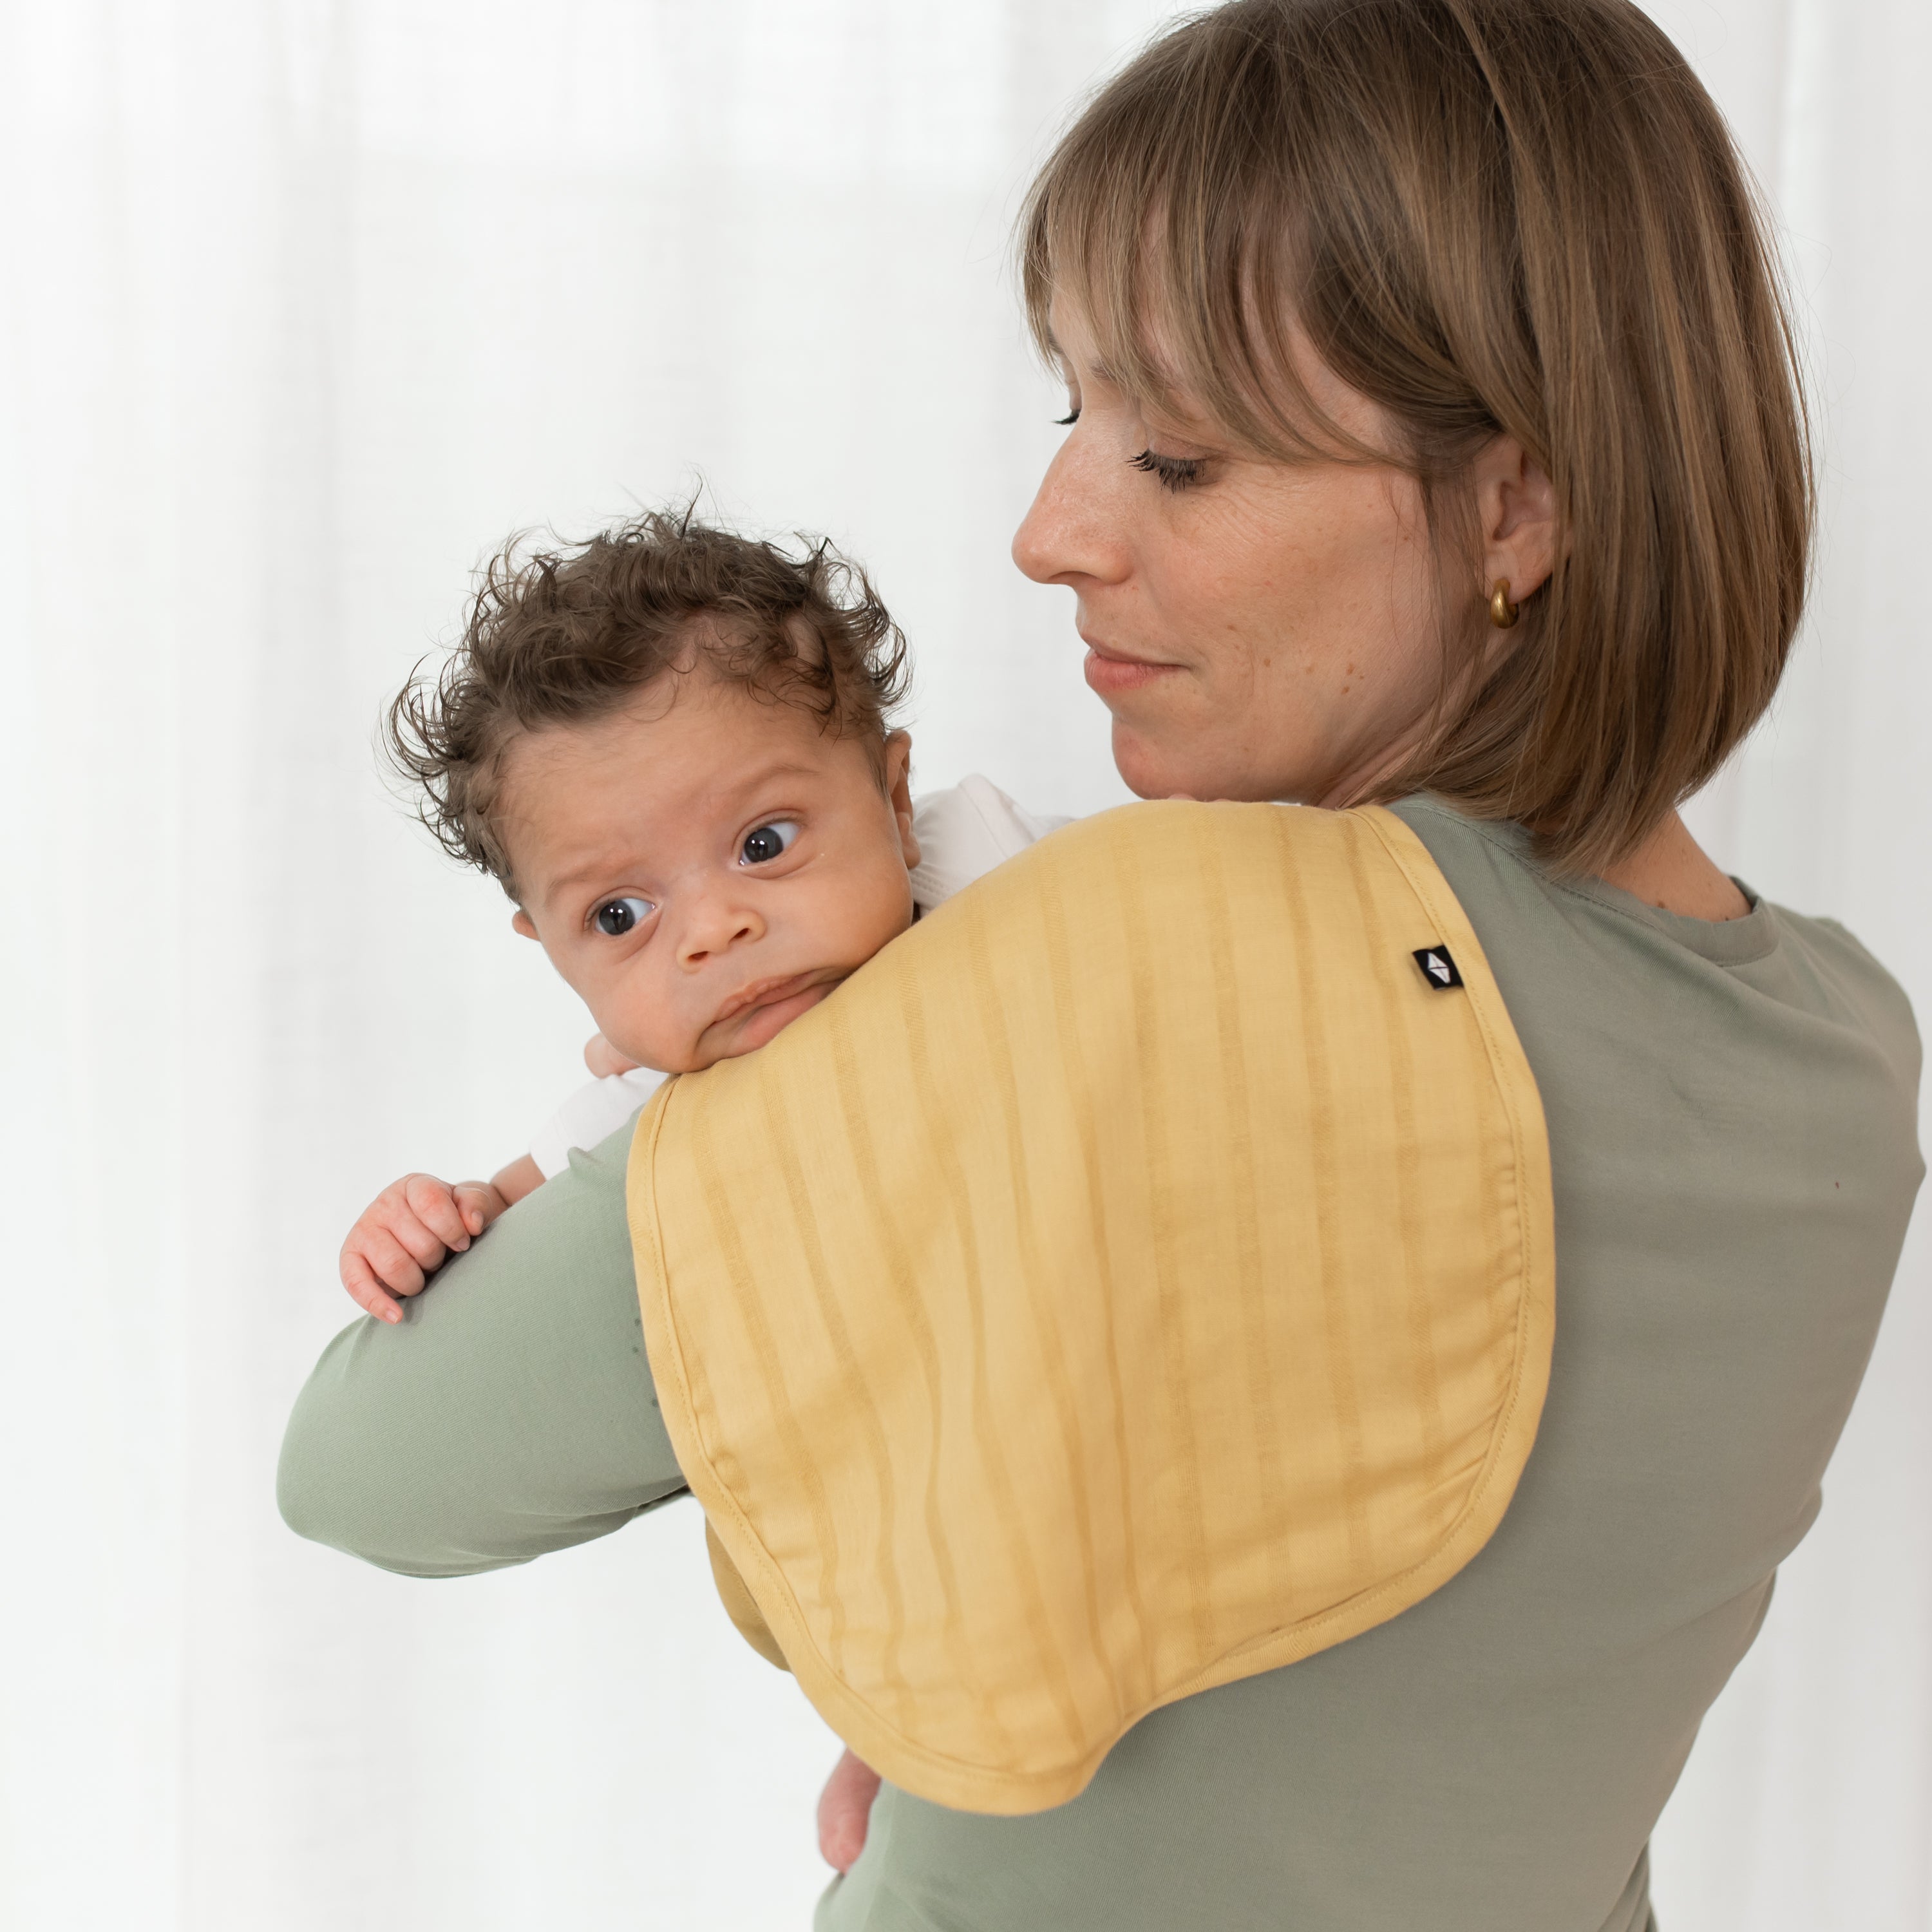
[(1435, 430)]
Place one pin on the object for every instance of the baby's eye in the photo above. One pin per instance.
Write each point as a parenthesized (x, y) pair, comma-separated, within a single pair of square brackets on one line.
[(766, 843), (618, 916)]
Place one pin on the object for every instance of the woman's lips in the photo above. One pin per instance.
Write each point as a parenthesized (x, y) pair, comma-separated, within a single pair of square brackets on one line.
[(1108, 672)]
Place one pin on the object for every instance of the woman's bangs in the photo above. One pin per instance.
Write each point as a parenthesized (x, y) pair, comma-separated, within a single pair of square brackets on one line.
[(1166, 277)]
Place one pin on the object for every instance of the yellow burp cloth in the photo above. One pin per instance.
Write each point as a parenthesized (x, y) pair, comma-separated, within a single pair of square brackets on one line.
[(1139, 1276)]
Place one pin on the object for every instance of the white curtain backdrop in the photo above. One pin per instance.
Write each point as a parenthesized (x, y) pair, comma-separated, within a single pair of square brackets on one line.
[(303, 304)]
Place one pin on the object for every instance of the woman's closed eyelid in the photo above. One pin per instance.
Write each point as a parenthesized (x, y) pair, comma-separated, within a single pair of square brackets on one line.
[(1173, 473)]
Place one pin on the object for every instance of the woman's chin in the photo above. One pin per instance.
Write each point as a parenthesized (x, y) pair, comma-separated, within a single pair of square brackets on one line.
[(1159, 767), (1141, 764), (1153, 769)]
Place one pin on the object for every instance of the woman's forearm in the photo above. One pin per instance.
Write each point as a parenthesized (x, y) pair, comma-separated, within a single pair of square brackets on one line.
[(510, 1414)]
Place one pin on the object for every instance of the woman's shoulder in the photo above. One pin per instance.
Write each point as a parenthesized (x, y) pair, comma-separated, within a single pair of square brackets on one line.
[(1580, 958)]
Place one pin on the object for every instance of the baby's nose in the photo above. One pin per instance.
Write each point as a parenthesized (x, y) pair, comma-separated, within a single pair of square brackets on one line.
[(714, 929)]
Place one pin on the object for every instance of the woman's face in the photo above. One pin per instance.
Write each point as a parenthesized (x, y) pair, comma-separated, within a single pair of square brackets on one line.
[(1259, 630)]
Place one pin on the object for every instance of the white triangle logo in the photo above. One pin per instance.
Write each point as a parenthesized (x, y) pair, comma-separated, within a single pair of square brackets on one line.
[(1437, 968)]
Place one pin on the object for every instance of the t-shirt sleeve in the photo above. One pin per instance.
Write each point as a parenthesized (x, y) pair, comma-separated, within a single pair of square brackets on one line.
[(510, 1413), (591, 1116)]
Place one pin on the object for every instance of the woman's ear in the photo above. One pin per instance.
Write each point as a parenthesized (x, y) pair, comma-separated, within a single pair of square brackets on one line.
[(521, 922), (899, 792), (1515, 512)]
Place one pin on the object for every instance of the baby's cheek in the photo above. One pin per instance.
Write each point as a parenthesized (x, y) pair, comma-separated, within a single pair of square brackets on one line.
[(879, 912), (647, 1029)]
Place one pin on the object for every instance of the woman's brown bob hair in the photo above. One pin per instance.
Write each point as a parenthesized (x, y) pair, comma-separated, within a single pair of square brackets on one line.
[(1516, 216)]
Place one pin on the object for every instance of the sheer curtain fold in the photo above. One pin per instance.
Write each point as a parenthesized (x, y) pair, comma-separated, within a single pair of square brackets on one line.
[(306, 305)]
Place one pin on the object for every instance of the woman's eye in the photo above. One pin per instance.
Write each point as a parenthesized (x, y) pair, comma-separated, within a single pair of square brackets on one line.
[(766, 843), (619, 916), (1175, 473)]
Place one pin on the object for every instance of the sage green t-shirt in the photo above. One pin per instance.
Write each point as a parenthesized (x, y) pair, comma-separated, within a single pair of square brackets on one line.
[(1733, 1122)]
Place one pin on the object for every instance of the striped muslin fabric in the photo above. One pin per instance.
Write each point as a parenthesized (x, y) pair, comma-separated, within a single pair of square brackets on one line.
[(1139, 1276)]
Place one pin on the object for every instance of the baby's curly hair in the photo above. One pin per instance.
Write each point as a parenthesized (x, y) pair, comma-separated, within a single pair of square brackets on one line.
[(566, 637)]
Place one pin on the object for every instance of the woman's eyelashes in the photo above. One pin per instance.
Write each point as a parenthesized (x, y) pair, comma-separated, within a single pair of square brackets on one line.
[(1072, 417), (768, 842), (1174, 472), (619, 916)]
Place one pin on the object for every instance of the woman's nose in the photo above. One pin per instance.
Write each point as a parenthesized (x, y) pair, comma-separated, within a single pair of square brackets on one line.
[(714, 926), (1067, 535)]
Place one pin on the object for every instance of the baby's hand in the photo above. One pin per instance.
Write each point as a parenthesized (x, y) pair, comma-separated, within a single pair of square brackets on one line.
[(407, 1232), (604, 1060)]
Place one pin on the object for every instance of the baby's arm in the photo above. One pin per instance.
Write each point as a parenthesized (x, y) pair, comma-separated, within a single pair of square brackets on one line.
[(414, 1226), (523, 1176), (411, 1228)]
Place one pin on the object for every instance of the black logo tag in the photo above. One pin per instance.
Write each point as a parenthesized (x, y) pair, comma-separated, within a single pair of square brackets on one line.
[(1437, 968)]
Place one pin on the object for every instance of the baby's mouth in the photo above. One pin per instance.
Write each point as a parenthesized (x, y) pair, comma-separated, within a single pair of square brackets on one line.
[(769, 992)]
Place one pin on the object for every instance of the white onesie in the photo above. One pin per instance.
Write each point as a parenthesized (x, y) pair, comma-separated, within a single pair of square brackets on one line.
[(963, 834)]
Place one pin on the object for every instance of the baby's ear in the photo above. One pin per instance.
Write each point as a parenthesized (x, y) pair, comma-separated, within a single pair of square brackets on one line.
[(899, 791), (521, 922)]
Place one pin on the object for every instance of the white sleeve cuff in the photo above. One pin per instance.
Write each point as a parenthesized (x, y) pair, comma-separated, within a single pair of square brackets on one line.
[(592, 1113)]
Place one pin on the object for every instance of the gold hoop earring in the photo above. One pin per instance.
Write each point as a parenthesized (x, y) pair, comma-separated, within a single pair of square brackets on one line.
[(1502, 613)]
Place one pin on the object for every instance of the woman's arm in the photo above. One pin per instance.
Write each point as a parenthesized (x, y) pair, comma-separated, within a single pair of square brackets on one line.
[(511, 1414)]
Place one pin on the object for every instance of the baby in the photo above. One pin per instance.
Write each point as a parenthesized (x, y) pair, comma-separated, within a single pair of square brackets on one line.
[(673, 748)]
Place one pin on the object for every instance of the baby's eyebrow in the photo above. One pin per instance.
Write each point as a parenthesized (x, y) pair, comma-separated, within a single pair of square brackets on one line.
[(783, 768), (600, 867), (605, 864)]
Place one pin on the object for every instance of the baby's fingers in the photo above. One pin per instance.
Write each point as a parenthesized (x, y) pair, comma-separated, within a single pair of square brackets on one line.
[(365, 1290), (478, 1204), (434, 1204), (395, 1261)]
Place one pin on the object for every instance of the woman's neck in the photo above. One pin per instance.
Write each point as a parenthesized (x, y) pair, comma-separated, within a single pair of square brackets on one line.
[(1672, 872)]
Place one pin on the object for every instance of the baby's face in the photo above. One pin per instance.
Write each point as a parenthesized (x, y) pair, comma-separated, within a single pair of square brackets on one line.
[(705, 865)]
